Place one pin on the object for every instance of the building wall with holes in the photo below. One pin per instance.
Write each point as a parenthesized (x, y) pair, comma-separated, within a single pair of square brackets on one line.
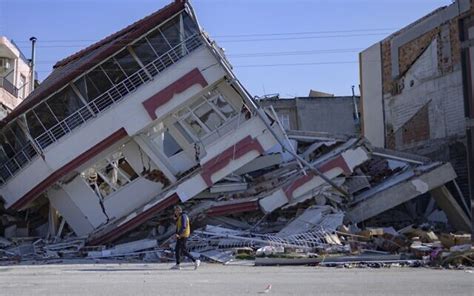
[(422, 91)]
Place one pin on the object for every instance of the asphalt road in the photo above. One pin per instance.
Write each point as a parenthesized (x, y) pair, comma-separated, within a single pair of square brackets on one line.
[(213, 279)]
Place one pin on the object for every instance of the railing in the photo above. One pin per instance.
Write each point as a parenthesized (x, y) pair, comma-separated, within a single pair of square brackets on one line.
[(114, 95), (18, 161), (9, 87)]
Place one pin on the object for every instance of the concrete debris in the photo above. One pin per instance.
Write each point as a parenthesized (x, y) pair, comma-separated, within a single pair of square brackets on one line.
[(100, 184), (277, 214), (124, 249)]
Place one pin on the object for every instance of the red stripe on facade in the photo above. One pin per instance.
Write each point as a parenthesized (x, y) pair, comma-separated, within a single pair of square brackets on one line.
[(247, 206), (233, 152), (164, 96), (116, 232), (288, 190), (64, 170), (337, 162)]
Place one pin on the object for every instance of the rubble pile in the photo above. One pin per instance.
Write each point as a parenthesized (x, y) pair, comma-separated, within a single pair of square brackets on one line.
[(274, 211)]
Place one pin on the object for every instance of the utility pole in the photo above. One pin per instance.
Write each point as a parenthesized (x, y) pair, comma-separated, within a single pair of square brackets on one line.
[(33, 45)]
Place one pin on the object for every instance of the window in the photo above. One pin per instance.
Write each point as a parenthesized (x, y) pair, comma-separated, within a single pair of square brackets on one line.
[(171, 31), (39, 120), (34, 126), (5, 65), (164, 141), (93, 84), (127, 62), (109, 174), (144, 51), (6, 150), (13, 141), (45, 115), (285, 120), (189, 25), (114, 71), (64, 103), (205, 115), (158, 42)]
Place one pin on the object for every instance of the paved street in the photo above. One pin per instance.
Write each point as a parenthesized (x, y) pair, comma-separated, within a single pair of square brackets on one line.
[(213, 279)]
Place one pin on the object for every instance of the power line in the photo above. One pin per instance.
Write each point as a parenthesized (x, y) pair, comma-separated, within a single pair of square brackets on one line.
[(300, 38), (309, 32), (245, 65), (296, 64), (232, 41), (270, 54), (237, 35), (293, 53)]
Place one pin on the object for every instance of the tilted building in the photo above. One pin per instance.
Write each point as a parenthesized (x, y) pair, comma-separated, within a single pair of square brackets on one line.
[(150, 116)]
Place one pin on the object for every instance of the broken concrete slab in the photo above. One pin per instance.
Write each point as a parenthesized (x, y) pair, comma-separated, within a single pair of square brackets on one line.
[(399, 193), (124, 249), (218, 256)]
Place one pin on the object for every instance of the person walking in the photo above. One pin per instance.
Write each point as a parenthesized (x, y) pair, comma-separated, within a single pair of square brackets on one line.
[(183, 230)]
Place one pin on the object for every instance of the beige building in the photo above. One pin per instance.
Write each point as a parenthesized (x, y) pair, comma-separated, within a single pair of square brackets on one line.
[(15, 76)]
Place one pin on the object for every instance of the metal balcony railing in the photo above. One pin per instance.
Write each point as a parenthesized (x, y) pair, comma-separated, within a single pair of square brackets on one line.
[(9, 87), (112, 96)]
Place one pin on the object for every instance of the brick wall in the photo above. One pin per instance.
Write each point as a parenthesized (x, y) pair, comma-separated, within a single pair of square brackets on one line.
[(387, 83), (417, 128), (409, 52)]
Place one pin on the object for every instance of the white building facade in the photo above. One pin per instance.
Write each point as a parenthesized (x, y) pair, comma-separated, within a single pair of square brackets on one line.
[(146, 118)]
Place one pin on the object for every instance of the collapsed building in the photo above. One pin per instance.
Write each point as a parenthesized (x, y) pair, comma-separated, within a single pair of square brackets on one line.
[(136, 122), (153, 116)]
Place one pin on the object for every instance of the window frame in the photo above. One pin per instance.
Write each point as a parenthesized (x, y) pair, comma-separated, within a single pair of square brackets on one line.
[(190, 112)]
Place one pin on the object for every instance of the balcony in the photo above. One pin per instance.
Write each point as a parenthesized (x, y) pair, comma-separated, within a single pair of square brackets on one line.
[(99, 105), (117, 92), (9, 87)]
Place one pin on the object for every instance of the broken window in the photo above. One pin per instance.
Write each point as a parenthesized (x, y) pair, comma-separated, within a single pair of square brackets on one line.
[(109, 175), (205, 115), (164, 141)]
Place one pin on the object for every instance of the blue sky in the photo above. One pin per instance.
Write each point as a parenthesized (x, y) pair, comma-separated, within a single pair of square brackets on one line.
[(276, 46)]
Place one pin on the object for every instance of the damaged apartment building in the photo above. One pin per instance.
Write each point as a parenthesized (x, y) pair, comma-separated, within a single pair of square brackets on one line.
[(141, 120), (416, 90), (152, 116)]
